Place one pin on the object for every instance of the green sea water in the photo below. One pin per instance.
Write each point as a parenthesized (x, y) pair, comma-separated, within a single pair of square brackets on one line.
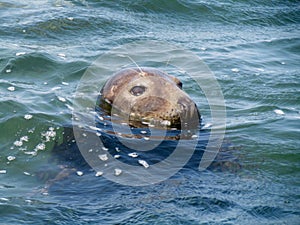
[(253, 49)]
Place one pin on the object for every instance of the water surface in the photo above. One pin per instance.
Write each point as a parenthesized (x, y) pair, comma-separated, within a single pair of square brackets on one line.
[(251, 46)]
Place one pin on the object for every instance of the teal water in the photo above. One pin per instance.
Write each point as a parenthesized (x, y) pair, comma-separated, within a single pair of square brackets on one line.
[(253, 48)]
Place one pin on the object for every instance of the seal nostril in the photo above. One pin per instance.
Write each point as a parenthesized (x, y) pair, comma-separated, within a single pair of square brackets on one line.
[(137, 90)]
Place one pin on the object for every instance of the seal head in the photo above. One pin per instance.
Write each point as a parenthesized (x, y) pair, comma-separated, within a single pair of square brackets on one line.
[(148, 97)]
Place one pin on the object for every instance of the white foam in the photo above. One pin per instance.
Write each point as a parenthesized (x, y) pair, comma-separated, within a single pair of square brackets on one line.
[(103, 157), (117, 156), (31, 130), (11, 158), (18, 143), (33, 153), (61, 55), (94, 128), (279, 112), (143, 163), (69, 107), (55, 88), (207, 125), (133, 154), (62, 99), (11, 88), (118, 172), (236, 70), (24, 138), (20, 53), (99, 173), (79, 173), (104, 149), (51, 133), (40, 146), (28, 117)]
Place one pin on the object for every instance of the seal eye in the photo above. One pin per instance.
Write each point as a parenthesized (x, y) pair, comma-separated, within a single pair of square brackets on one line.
[(137, 90)]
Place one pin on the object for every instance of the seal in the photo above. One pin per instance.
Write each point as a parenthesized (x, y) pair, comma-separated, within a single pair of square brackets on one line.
[(148, 97)]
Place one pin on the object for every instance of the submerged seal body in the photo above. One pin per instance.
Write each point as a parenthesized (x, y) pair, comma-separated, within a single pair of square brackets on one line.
[(148, 97)]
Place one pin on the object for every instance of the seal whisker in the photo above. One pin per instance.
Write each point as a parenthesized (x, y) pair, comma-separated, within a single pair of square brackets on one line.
[(168, 62), (140, 69)]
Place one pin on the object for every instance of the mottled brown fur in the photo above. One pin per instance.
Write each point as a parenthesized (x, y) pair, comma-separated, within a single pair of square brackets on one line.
[(149, 96)]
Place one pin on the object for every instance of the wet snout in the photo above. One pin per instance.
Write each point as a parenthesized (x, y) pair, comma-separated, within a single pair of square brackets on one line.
[(164, 112)]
